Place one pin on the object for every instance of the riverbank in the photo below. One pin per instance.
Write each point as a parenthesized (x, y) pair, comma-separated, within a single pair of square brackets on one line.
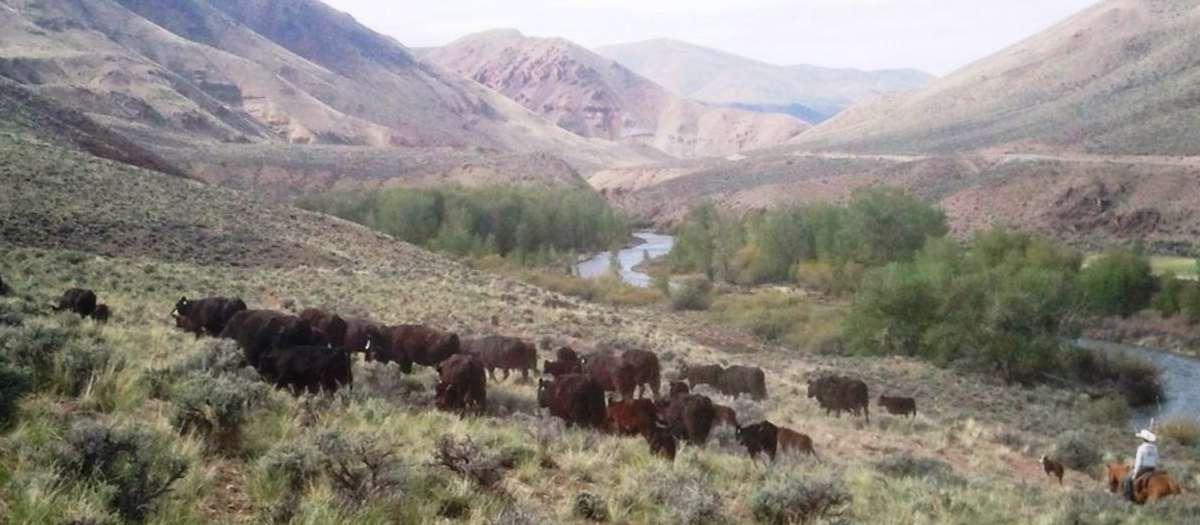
[(651, 246), (1149, 329)]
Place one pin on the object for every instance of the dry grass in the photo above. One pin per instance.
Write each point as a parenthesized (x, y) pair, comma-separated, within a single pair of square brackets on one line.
[(1183, 430)]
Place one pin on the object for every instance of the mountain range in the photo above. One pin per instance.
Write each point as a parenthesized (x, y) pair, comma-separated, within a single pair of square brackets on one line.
[(713, 76), (593, 96)]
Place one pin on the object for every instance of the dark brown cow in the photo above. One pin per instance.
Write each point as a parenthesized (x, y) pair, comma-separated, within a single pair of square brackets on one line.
[(646, 371), (309, 369), (331, 326), (737, 380), (462, 385), (364, 334), (101, 313), (702, 375), (611, 372), (676, 388), (206, 316), (632, 416), (577, 399), (789, 440), (504, 353), (259, 331), (419, 344), (725, 415), (78, 301), (690, 417), (661, 442), (900, 406), (4, 289), (841, 394), (759, 438), (1052, 468), (567, 363)]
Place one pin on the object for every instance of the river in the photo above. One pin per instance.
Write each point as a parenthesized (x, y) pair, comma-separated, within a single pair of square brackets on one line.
[(653, 245), (1180, 375)]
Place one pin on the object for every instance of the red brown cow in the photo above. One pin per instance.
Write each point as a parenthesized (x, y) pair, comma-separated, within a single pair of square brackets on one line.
[(504, 353), (577, 399), (789, 440), (422, 345), (611, 372), (901, 406), (206, 316), (725, 415), (632, 416), (462, 385), (1052, 468)]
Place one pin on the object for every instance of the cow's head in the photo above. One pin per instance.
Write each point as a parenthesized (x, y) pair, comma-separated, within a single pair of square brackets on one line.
[(182, 307), (447, 345), (543, 392)]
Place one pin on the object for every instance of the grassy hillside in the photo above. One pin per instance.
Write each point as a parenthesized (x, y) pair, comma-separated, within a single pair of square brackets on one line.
[(142, 240)]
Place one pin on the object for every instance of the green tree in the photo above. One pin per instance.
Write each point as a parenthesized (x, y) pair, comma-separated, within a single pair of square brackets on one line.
[(1118, 283)]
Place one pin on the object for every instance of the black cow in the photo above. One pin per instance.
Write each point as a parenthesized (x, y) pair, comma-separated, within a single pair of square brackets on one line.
[(206, 316), (259, 331), (689, 417), (309, 369), (419, 344), (78, 301), (102, 313), (4, 289), (575, 398), (759, 438)]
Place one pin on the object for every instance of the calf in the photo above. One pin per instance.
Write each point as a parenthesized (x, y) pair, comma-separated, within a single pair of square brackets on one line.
[(4, 289), (504, 353), (422, 345), (632, 416), (309, 369), (1052, 468), (78, 301), (206, 316), (759, 438), (577, 399), (462, 385), (725, 416), (901, 406), (788, 440), (661, 442), (101, 313)]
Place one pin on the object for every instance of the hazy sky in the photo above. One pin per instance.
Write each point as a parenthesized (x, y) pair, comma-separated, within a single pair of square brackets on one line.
[(935, 35)]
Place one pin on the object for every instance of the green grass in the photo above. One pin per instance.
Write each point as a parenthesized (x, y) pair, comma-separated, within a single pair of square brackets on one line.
[(1182, 267)]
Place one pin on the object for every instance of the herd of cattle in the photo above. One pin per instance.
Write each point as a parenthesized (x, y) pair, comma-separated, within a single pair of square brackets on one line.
[(605, 390)]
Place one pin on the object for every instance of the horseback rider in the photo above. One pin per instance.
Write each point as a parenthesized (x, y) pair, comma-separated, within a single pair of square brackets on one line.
[(1145, 462)]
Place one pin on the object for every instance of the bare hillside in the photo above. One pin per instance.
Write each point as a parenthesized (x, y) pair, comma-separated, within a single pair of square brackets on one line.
[(595, 97), (717, 77), (1121, 77)]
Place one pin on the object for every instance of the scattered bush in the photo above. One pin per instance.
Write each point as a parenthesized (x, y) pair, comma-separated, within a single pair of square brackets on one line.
[(360, 468), (691, 294), (76, 366), (687, 495), (32, 348), (514, 515), (1118, 283), (1077, 449), (134, 465), (790, 496), (590, 507), (215, 408), (1184, 430), (1170, 289), (909, 466), (463, 457), (14, 384), (1109, 410)]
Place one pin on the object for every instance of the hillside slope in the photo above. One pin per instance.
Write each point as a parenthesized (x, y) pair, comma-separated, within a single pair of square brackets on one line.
[(717, 77), (594, 97), (174, 74), (1121, 77)]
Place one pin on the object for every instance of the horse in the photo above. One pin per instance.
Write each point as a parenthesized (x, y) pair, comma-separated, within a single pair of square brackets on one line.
[(1155, 487)]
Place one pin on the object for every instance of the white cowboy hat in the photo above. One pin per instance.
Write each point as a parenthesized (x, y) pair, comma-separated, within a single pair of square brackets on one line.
[(1147, 435)]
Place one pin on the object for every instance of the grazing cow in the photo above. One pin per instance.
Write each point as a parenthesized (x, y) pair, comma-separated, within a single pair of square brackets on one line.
[(331, 327), (206, 316), (567, 363), (422, 345), (504, 353), (725, 415), (1052, 468), (690, 417), (737, 380), (577, 399), (259, 331), (899, 406), (78, 301), (462, 385), (632, 416), (788, 440), (841, 394), (611, 372), (759, 438), (702, 375), (102, 313), (646, 371), (4, 289), (661, 442), (676, 388), (309, 369)]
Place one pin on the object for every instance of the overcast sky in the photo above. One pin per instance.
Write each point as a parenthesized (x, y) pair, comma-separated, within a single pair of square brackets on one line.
[(937, 36)]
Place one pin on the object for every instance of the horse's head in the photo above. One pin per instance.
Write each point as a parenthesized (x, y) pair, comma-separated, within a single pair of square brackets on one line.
[(1115, 473)]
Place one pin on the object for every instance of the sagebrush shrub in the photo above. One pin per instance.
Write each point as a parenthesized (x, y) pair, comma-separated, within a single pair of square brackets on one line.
[(909, 466), (590, 507), (1109, 410), (135, 465), (215, 408), (687, 494), (465, 458), (790, 496), (32, 347), (14, 384), (1184, 430), (360, 467), (76, 366), (691, 294), (1077, 449)]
